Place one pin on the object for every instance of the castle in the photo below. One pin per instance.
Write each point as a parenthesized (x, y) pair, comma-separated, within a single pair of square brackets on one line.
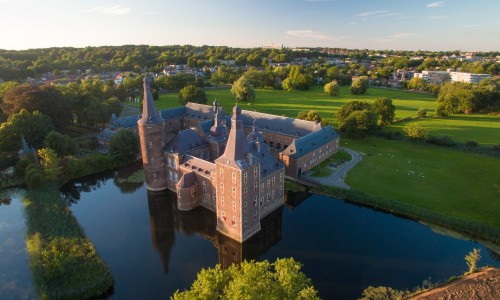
[(232, 165)]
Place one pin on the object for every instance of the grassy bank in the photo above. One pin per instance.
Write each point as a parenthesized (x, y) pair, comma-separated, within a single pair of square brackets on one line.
[(64, 262), (461, 185)]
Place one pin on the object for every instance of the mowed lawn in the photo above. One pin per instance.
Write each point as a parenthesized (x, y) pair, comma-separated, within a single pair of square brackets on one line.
[(459, 184), (482, 129)]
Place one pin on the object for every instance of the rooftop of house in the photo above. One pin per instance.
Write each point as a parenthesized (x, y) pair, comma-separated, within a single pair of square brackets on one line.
[(185, 141), (197, 165)]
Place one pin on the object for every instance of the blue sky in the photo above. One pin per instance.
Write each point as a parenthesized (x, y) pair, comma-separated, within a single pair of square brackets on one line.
[(385, 24)]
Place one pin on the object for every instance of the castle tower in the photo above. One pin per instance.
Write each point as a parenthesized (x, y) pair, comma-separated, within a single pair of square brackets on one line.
[(218, 132), (237, 181), (152, 137)]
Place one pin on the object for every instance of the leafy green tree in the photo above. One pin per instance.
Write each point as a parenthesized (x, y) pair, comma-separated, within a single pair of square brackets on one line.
[(5, 87), (417, 83), (63, 145), (359, 85), (46, 99), (33, 126), (347, 109), (51, 163), (192, 93), (332, 88), (252, 280), (421, 113), (381, 293), (385, 109), (333, 73), (243, 90), (121, 92), (472, 259), (309, 115), (359, 124), (124, 145), (415, 132), (289, 84)]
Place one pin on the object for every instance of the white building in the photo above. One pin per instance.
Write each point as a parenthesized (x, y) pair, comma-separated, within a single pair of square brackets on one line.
[(468, 77), (435, 77)]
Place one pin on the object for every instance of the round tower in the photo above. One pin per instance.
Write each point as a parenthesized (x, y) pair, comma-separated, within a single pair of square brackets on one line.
[(152, 136)]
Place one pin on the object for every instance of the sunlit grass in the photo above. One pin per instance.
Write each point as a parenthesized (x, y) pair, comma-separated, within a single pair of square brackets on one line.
[(463, 185)]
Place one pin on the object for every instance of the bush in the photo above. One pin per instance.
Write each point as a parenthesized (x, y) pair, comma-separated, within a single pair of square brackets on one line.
[(415, 132), (444, 140), (421, 113), (332, 88), (471, 145)]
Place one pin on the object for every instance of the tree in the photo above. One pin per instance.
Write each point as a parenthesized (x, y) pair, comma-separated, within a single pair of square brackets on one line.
[(347, 109), (421, 113), (417, 83), (332, 88), (63, 145), (288, 84), (124, 145), (472, 258), (309, 115), (121, 92), (33, 126), (50, 163), (415, 132), (192, 93), (243, 90), (385, 109), (359, 123), (359, 85), (252, 280), (46, 99)]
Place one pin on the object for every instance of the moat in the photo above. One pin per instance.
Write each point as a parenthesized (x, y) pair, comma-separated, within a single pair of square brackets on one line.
[(154, 249)]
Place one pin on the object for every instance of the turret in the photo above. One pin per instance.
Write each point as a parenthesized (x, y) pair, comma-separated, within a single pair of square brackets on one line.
[(152, 136)]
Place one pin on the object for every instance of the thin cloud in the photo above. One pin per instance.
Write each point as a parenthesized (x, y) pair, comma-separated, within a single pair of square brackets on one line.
[(396, 36), (435, 4), (311, 34), (117, 10), (438, 17), (377, 14), (352, 23)]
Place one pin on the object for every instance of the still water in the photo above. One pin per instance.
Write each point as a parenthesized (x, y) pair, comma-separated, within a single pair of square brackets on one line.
[(153, 249)]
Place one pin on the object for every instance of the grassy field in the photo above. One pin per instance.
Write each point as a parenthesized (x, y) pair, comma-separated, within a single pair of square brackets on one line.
[(479, 128), (463, 185)]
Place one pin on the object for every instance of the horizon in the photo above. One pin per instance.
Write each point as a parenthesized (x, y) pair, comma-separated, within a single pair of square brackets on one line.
[(429, 25)]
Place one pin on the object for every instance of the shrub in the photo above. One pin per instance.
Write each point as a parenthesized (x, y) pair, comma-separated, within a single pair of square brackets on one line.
[(421, 113), (332, 88), (472, 258), (444, 140), (415, 132)]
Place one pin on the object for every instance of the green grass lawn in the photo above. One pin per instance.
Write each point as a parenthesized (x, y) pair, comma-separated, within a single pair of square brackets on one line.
[(323, 169), (483, 129), (458, 184)]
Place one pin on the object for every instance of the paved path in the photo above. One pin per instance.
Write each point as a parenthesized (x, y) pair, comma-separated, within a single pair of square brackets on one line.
[(338, 176)]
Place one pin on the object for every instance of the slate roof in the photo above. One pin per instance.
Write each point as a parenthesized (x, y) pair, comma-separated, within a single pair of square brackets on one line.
[(269, 164), (125, 122), (284, 125), (106, 134), (311, 142), (237, 145), (199, 111), (149, 113), (206, 125), (185, 141), (172, 112), (197, 165)]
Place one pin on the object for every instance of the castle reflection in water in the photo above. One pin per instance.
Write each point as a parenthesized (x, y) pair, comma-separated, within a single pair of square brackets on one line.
[(165, 218)]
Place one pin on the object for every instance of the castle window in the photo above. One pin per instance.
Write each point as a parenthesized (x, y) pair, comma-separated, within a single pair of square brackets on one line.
[(223, 215), (255, 215), (268, 183), (192, 193), (245, 206), (245, 221), (262, 187), (268, 197), (245, 177), (281, 177), (261, 201), (150, 144), (245, 192), (222, 187), (221, 172), (274, 180), (178, 193), (221, 200), (255, 201), (234, 221), (233, 192), (233, 178), (234, 205), (273, 195), (255, 172), (255, 186)]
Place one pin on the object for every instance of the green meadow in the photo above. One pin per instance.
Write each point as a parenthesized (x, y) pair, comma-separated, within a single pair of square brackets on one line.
[(454, 183), (482, 129)]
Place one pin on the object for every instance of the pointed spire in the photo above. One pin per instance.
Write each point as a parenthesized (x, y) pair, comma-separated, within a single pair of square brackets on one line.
[(24, 146), (149, 113), (237, 145)]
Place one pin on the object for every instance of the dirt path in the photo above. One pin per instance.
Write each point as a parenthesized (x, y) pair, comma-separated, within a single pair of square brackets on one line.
[(338, 176), (481, 285)]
